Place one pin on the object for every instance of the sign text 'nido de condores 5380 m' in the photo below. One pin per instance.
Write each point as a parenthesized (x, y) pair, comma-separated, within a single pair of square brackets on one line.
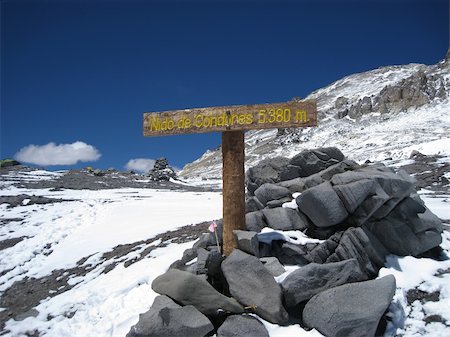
[(229, 118)]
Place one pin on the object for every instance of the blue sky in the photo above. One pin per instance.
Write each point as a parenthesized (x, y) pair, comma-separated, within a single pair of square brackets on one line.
[(86, 70)]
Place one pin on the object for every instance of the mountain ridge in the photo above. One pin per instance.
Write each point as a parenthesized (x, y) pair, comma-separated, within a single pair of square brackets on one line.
[(379, 105)]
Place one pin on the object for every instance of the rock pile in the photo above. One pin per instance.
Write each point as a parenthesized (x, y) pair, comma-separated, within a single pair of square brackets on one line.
[(342, 219), (161, 171)]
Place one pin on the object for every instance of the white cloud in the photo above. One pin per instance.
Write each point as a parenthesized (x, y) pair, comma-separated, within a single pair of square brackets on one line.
[(57, 154), (140, 164)]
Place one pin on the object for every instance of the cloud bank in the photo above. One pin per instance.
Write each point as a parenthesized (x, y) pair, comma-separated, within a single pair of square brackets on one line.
[(57, 154), (140, 164)]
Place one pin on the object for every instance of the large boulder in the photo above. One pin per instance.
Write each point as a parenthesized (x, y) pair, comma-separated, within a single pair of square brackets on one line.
[(305, 282), (254, 221), (266, 171), (253, 285), (189, 289), (410, 229), (350, 310), (322, 205), (168, 319), (247, 241), (268, 192), (242, 326), (354, 243), (272, 264), (284, 219)]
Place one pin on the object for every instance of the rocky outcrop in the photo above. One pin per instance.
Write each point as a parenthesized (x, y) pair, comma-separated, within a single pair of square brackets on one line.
[(278, 169), (338, 229), (161, 171)]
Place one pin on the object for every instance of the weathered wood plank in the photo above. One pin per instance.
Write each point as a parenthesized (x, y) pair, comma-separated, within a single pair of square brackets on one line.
[(231, 118), (233, 189)]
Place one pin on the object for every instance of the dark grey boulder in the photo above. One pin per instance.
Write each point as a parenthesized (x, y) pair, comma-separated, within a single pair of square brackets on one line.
[(285, 219), (304, 283), (278, 203), (247, 241), (350, 310), (354, 193), (405, 232), (254, 221), (253, 285), (273, 265), (354, 243), (242, 326), (313, 161), (322, 205), (396, 185), (253, 204), (167, 319), (293, 185), (268, 192), (266, 171), (290, 253), (290, 172), (189, 289)]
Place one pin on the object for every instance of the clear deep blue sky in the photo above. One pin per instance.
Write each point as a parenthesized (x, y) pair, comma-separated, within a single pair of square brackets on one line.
[(87, 69)]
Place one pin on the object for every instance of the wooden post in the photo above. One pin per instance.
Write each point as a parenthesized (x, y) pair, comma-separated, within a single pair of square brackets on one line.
[(233, 187)]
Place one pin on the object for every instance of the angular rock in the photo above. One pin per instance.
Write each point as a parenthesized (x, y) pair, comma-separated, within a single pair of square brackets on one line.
[(189, 289), (252, 285), (290, 172), (254, 221), (354, 193), (350, 310), (266, 171), (242, 326), (278, 203), (268, 192), (290, 253), (406, 232), (284, 219), (247, 241), (322, 205), (167, 319), (273, 265), (313, 161), (354, 243), (253, 204), (304, 283)]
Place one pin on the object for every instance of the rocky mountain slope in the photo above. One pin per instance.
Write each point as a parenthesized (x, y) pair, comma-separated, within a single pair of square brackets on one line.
[(379, 114)]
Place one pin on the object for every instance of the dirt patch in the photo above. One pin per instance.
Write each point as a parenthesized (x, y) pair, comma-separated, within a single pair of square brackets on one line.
[(24, 295), (422, 296), (429, 172), (26, 200), (10, 242)]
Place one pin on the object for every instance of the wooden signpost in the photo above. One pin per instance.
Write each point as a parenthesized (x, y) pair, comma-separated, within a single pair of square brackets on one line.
[(231, 121)]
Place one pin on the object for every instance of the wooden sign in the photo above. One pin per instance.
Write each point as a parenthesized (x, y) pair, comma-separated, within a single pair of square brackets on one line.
[(229, 118), (231, 121)]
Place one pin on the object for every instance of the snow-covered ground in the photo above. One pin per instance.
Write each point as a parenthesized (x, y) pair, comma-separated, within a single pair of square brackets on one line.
[(57, 236)]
